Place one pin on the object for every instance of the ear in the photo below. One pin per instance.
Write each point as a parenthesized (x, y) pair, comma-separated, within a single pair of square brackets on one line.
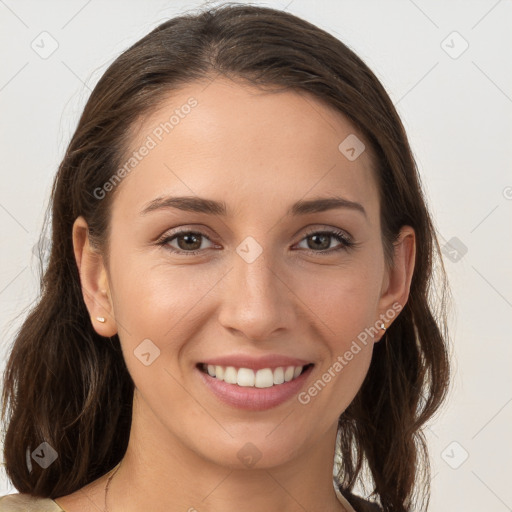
[(397, 279), (94, 280)]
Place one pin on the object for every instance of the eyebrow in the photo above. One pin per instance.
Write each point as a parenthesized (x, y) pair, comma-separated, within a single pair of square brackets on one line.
[(219, 208)]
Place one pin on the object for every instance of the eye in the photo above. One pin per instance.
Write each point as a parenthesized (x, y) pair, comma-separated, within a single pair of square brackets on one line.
[(186, 240), (321, 241)]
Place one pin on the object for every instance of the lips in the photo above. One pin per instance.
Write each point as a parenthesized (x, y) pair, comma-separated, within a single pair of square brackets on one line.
[(254, 383)]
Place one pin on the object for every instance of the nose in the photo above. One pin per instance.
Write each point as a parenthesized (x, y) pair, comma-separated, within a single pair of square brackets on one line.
[(257, 301)]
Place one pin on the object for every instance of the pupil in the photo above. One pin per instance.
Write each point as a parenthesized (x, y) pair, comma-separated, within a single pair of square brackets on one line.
[(187, 238), (325, 237)]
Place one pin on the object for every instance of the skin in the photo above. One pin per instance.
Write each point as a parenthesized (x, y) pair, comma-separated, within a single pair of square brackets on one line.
[(259, 152)]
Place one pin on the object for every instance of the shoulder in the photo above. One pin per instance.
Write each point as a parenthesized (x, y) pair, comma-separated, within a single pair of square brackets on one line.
[(27, 503), (361, 505)]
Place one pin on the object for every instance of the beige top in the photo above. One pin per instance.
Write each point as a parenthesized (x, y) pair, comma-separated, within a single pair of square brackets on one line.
[(27, 503)]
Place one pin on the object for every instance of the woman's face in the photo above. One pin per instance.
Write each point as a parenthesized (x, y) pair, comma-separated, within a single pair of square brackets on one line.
[(263, 281)]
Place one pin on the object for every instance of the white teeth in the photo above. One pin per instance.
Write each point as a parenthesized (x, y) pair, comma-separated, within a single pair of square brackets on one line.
[(264, 378), (278, 376), (230, 375), (246, 377), (288, 374)]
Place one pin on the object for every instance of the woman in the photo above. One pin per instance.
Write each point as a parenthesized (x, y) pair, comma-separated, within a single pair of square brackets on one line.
[(295, 329)]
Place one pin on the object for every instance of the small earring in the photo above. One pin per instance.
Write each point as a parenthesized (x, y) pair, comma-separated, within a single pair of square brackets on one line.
[(100, 319), (382, 326)]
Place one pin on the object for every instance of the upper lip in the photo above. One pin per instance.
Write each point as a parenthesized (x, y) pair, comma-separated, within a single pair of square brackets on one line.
[(256, 363)]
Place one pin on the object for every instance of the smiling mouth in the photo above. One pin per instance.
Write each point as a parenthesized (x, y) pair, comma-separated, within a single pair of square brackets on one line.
[(246, 377)]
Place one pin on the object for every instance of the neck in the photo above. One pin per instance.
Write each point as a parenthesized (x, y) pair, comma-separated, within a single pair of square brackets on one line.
[(159, 473)]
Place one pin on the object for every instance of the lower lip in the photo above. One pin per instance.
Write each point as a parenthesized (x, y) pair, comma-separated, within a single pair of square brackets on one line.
[(254, 399)]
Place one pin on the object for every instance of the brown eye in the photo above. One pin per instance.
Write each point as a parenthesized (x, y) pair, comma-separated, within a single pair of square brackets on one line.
[(188, 242), (320, 241)]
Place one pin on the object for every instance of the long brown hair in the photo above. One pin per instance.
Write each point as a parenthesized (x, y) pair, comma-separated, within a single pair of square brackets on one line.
[(66, 385)]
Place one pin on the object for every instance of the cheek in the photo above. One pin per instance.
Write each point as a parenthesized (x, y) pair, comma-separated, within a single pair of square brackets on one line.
[(161, 302), (343, 298)]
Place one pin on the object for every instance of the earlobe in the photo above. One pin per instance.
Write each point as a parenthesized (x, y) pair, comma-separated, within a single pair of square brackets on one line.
[(395, 293), (93, 280)]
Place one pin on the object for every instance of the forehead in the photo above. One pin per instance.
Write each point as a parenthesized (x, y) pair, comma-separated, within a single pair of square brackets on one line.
[(225, 139)]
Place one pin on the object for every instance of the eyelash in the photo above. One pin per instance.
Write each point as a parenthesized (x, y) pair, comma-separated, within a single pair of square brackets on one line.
[(340, 236)]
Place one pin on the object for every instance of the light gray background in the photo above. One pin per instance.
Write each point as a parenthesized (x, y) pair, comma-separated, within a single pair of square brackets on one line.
[(457, 111)]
